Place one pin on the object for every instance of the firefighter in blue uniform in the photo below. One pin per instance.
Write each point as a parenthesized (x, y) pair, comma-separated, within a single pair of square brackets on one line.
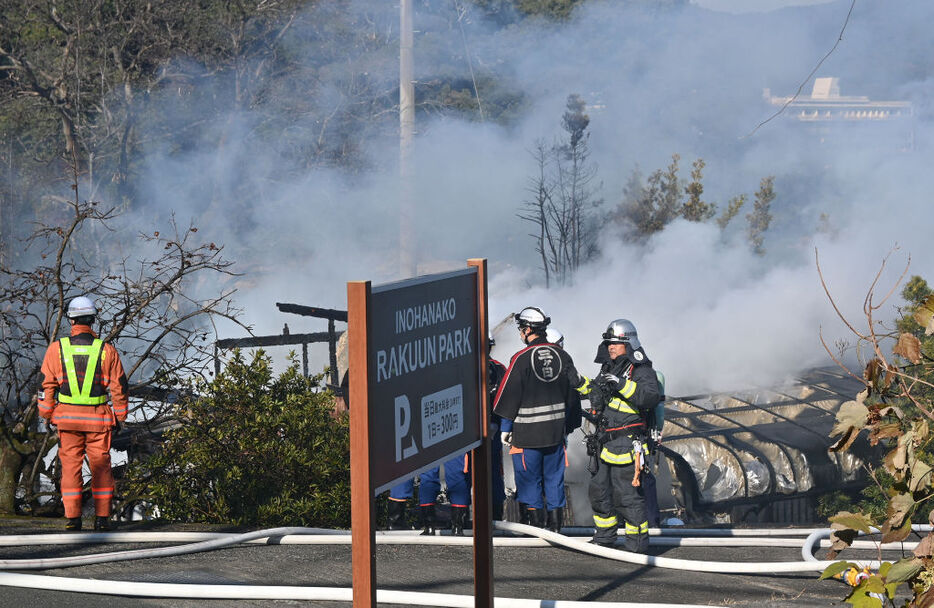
[(539, 407), (619, 396), (496, 373), (456, 477), (429, 484)]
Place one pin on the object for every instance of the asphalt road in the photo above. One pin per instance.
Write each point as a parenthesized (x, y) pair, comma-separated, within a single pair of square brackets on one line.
[(547, 573)]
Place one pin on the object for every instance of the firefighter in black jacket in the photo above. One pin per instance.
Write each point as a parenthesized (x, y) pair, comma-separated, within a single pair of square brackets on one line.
[(539, 407), (626, 387)]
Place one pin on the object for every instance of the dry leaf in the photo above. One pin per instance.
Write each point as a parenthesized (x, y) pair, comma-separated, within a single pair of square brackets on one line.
[(850, 415), (925, 315), (909, 347)]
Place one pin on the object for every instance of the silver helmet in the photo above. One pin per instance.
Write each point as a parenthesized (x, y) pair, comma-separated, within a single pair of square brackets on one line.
[(532, 317), (622, 331), (554, 336), (82, 306)]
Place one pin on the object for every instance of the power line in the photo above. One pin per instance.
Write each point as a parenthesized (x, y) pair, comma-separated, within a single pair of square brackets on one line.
[(808, 79), (461, 13)]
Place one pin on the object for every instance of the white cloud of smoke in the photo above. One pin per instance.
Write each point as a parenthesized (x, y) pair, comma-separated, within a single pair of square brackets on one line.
[(711, 315)]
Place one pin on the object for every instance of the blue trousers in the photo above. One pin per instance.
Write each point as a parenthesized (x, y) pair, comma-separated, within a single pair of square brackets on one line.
[(428, 488), (540, 471), (458, 481)]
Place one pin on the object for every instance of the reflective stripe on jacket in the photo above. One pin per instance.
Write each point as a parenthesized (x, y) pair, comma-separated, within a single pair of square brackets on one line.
[(536, 398), (626, 408), (74, 388), (91, 392)]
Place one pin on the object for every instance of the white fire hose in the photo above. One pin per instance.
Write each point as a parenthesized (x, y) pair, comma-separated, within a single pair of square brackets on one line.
[(539, 537)]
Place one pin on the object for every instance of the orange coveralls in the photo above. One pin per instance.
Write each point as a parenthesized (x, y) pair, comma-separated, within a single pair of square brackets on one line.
[(84, 429)]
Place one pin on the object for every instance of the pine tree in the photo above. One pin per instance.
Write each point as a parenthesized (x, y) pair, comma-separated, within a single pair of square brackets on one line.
[(694, 209), (760, 218)]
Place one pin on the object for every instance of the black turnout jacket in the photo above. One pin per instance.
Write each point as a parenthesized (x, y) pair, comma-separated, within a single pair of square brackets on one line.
[(538, 395), (625, 408)]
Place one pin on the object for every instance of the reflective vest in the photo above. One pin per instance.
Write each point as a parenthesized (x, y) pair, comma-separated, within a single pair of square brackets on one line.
[(82, 395)]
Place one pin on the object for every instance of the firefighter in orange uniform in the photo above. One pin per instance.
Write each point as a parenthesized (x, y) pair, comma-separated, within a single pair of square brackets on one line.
[(78, 371)]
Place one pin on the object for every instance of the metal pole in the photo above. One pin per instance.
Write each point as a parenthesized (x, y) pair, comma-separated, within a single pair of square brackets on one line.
[(332, 353), (407, 260)]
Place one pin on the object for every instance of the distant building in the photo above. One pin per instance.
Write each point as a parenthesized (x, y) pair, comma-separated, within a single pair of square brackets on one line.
[(826, 107)]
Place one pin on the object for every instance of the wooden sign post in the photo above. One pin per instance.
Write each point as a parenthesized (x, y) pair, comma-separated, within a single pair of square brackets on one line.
[(362, 512), (418, 352)]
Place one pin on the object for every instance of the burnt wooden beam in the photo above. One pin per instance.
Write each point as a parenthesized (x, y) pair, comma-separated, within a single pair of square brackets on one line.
[(284, 340), (310, 311)]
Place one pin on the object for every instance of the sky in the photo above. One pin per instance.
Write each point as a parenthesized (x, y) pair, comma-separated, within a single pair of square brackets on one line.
[(711, 315)]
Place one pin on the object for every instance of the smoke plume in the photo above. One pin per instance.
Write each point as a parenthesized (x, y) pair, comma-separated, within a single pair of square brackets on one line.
[(712, 315)]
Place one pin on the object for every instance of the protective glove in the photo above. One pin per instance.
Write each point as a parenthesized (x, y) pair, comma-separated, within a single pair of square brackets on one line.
[(506, 438), (610, 381), (574, 378)]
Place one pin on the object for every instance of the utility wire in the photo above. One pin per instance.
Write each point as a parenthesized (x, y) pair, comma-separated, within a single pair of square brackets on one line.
[(461, 13), (808, 79)]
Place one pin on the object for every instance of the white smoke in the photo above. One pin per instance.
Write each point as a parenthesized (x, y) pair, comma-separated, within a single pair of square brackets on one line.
[(710, 314)]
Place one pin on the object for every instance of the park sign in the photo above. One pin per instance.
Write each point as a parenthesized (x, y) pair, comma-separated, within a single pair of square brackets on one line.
[(424, 374), (417, 353)]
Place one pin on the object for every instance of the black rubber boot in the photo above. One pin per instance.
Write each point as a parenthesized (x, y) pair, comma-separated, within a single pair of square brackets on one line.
[(497, 511), (102, 523), (395, 519), (428, 520), (537, 517), (524, 517), (555, 520), (458, 519), (73, 524)]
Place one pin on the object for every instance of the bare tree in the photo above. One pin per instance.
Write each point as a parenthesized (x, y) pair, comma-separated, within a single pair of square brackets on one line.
[(576, 177), (538, 209), (153, 308), (563, 200), (895, 408)]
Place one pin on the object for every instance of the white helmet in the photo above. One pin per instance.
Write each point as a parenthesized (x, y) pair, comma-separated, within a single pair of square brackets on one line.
[(532, 317), (554, 336), (82, 306), (622, 331)]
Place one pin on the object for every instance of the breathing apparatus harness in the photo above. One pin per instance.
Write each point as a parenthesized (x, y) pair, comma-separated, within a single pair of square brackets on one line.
[(601, 394)]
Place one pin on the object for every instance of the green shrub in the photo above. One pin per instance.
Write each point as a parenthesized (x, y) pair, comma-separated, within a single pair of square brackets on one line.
[(895, 410), (253, 449)]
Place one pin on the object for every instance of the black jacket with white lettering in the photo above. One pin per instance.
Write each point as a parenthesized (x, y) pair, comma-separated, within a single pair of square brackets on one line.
[(538, 395)]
